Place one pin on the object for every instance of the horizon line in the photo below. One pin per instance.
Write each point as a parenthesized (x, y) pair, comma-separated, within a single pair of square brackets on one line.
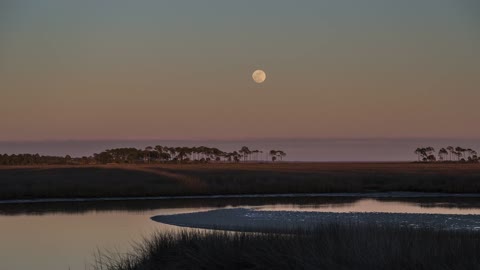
[(232, 139)]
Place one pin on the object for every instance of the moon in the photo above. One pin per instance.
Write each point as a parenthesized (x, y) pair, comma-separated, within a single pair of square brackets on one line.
[(259, 76)]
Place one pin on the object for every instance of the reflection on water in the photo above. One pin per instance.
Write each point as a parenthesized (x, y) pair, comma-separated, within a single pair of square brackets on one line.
[(148, 205), (374, 205), (455, 203), (442, 205), (65, 235)]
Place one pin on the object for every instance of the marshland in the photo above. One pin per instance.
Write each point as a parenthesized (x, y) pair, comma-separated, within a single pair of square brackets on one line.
[(123, 180), (200, 207)]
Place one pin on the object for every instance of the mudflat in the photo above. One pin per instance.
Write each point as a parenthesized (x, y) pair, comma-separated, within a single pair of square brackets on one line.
[(243, 219)]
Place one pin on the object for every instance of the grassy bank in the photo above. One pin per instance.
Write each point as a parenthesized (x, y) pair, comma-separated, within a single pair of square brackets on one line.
[(330, 247), (209, 179)]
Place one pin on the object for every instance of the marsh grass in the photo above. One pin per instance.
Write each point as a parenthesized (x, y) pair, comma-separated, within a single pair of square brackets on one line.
[(326, 247), (214, 179)]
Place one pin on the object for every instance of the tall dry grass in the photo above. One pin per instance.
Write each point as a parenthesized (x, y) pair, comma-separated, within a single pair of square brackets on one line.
[(328, 247), (213, 179)]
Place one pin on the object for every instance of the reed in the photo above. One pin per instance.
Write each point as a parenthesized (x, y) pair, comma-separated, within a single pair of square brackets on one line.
[(325, 247)]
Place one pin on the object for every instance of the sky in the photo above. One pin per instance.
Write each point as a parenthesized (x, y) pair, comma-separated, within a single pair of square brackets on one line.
[(129, 70)]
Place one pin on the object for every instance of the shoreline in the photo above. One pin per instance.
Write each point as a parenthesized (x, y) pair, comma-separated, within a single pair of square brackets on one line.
[(373, 195)]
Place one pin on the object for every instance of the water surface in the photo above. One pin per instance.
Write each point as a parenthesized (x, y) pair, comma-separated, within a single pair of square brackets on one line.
[(51, 236)]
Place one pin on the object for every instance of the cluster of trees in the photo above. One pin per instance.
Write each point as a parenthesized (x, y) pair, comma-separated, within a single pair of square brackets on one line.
[(183, 154), (36, 159), (30, 159), (450, 154), (275, 154), (157, 154)]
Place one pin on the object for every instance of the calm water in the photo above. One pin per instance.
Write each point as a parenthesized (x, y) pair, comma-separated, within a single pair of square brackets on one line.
[(66, 235)]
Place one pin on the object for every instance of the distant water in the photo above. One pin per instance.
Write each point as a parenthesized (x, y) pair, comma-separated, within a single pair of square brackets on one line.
[(296, 149)]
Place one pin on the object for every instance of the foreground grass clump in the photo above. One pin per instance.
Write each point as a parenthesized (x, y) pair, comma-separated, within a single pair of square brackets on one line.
[(328, 247)]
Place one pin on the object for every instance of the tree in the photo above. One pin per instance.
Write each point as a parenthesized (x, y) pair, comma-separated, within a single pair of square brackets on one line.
[(103, 157), (217, 154), (148, 149), (273, 153), (172, 152), (236, 156), (182, 153), (281, 154), (451, 150), (442, 153), (460, 152), (471, 153), (418, 152), (161, 152), (425, 153), (245, 152)]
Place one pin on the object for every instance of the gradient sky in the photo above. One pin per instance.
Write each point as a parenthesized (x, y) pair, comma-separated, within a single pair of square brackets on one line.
[(182, 69)]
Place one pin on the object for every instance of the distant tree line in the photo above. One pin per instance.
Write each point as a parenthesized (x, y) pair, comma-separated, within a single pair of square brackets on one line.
[(448, 154), (157, 154), (195, 154), (32, 159)]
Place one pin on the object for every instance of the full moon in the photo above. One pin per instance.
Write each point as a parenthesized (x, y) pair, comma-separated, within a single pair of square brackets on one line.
[(259, 76)]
